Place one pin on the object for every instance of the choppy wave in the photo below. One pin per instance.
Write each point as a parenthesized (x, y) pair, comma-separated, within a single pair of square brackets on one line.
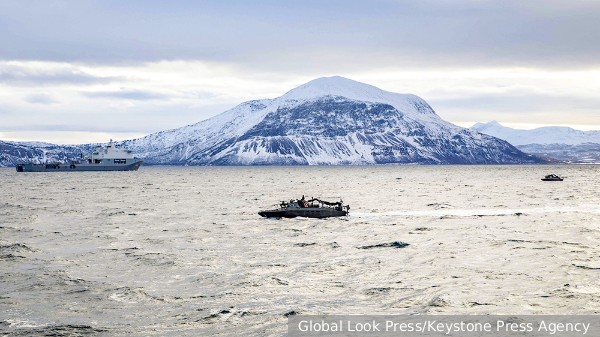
[(182, 251)]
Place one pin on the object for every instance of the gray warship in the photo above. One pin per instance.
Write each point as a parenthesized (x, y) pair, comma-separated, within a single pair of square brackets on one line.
[(102, 159), (313, 208)]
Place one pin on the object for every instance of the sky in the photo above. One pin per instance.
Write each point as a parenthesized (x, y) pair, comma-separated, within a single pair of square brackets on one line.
[(88, 71)]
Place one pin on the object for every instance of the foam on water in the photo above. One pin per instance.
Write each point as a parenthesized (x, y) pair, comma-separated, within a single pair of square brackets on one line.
[(594, 209), (181, 251)]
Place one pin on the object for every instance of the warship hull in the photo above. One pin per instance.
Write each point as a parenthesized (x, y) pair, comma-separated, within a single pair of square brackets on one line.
[(78, 167), (102, 159)]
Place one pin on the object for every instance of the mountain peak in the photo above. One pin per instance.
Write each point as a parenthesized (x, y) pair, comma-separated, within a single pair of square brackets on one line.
[(335, 86), (341, 86), (484, 127)]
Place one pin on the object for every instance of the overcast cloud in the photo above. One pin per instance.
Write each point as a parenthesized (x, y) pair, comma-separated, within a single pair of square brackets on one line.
[(153, 65)]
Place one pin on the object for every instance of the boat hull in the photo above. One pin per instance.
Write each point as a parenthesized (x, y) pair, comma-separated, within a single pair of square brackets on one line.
[(78, 167), (552, 179), (302, 212)]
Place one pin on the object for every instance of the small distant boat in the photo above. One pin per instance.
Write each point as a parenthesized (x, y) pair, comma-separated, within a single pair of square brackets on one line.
[(552, 177), (313, 208)]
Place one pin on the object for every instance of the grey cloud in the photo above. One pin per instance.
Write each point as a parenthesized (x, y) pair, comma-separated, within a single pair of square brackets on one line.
[(532, 108), (525, 103), (24, 76), (200, 95), (138, 95), (40, 99), (301, 36), (68, 128), (141, 118)]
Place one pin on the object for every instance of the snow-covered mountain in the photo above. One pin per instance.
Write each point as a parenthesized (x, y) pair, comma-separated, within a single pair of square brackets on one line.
[(543, 135), (328, 121), (551, 141), (12, 153)]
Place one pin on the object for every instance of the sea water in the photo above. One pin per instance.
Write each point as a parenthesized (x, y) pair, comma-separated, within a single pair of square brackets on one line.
[(181, 251)]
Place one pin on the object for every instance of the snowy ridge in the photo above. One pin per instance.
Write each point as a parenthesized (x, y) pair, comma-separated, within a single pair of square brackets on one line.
[(543, 135), (328, 121), (558, 142), (12, 153), (204, 134)]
